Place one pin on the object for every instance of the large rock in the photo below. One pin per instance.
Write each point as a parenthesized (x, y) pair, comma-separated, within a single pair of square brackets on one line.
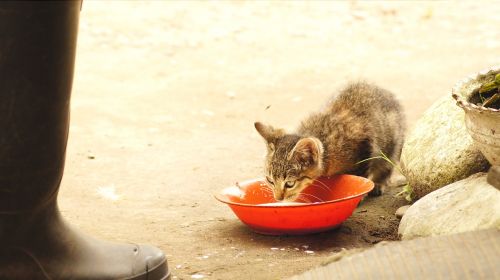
[(466, 205), (439, 151)]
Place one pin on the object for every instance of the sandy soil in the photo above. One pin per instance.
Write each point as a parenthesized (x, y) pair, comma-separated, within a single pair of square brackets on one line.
[(166, 93)]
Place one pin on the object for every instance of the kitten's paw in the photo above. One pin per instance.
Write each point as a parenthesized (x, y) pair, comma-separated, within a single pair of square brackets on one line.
[(378, 190)]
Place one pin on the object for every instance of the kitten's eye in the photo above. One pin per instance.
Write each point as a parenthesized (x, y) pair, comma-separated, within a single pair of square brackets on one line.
[(289, 184), (269, 180)]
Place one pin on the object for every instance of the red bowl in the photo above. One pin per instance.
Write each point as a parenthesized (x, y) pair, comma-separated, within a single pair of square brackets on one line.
[(331, 201)]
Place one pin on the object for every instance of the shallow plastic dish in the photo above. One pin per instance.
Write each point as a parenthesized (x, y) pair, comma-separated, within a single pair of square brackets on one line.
[(330, 202)]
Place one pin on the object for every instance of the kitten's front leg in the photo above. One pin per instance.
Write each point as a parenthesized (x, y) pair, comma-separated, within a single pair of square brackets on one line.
[(379, 172)]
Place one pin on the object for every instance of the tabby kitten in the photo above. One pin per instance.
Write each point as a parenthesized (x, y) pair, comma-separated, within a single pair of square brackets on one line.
[(361, 122)]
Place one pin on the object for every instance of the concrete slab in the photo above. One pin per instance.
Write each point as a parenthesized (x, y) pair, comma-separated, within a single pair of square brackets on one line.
[(166, 93), (471, 255)]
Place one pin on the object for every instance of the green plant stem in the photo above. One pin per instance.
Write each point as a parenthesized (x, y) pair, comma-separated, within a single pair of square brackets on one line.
[(482, 98), (406, 189)]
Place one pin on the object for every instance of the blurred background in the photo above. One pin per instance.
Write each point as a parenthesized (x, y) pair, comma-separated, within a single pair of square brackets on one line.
[(166, 92)]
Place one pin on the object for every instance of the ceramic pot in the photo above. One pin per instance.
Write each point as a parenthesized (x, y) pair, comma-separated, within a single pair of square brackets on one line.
[(483, 124)]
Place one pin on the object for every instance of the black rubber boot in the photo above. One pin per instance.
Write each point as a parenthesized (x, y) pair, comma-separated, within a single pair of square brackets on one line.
[(37, 51)]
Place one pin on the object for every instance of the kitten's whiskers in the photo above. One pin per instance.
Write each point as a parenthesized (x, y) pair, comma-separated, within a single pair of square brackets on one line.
[(313, 196), (266, 189), (303, 199), (323, 186)]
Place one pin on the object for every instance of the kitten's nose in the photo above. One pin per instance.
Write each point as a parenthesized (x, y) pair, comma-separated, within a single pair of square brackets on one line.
[(279, 196)]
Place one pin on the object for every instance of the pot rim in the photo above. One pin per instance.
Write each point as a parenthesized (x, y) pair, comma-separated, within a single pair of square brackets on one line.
[(462, 100)]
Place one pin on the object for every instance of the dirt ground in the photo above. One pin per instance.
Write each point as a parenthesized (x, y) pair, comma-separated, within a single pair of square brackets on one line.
[(166, 93)]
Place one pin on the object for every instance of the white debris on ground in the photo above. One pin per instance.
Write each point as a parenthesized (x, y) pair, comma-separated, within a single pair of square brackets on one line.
[(208, 113), (108, 193), (304, 247), (297, 99), (239, 254), (231, 94)]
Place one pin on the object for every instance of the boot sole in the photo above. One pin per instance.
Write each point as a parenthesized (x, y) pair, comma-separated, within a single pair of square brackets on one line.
[(159, 272)]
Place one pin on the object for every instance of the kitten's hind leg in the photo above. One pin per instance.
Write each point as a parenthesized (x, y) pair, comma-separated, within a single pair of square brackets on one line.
[(379, 172)]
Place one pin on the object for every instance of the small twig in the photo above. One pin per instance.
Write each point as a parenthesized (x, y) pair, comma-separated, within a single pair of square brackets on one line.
[(491, 100)]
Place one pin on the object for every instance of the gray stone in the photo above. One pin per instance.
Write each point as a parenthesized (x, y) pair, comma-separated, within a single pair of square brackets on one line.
[(466, 205), (401, 211), (397, 180), (439, 150)]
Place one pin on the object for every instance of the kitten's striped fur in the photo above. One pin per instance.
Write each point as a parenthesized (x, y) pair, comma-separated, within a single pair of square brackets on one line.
[(357, 124)]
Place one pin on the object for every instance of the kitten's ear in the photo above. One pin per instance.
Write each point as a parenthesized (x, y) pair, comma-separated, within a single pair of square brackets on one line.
[(307, 151), (269, 133)]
